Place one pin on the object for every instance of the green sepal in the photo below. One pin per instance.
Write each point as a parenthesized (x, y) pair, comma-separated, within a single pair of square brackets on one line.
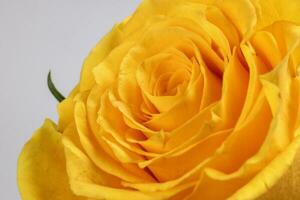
[(53, 89)]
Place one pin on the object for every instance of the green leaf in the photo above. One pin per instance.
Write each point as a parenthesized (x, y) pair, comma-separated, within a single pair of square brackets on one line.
[(53, 89)]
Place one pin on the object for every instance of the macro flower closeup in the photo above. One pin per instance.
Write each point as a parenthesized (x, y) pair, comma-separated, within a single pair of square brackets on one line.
[(183, 100)]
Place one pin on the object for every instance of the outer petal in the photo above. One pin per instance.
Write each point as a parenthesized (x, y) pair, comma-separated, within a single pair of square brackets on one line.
[(277, 10), (102, 49), (41, 167), (287, 187)]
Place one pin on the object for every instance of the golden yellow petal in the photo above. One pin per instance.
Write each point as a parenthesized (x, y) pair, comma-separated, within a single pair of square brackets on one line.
[(107, 70), (203, 149), (233, 94), (111, 122), (89, 181), (41, 167), (98, 155), (229, 169), (288, 186), (277, 10), (266, 47), (102, 49), (254, 86), (270, 182), (217, 17), (242, 14), (65, 110), (66, 113)]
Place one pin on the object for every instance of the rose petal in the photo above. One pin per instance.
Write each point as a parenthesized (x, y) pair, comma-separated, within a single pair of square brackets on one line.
[(242, 14), (271, 174), (274, 10), (98, 155), (101, 50), (41, 167)]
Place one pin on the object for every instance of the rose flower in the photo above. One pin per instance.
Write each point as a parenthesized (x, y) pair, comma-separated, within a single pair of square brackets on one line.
[(183, 100)]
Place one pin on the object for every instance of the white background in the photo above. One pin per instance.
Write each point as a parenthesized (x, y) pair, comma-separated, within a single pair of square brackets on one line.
[(36, 36)]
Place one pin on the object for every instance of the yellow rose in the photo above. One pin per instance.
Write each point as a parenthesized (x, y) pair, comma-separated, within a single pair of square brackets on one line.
[(185, 99)]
